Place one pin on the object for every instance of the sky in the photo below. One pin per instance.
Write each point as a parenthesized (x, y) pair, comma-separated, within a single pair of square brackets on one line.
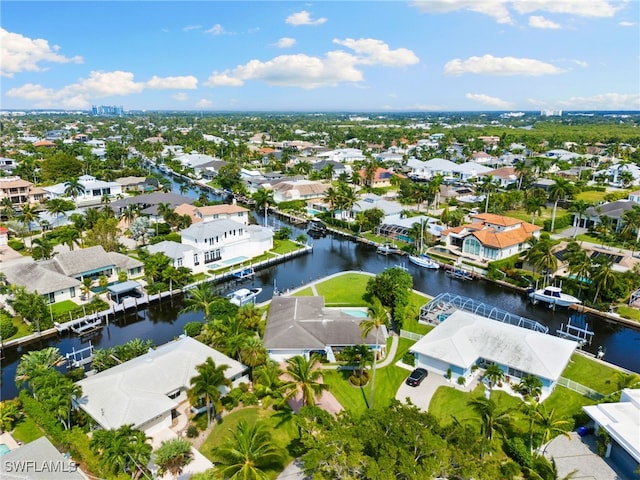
[(357, 56)]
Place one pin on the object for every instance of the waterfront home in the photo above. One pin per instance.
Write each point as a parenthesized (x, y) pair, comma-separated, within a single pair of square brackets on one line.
[(148, 202), (36, 277), (181, 255), (214, 212), (343, 155), (94, 189), (490, 237), (136, 184), (225, 241), (503, 176), (298, 190), (303, 326), (146, 391), (464, 341), (397, 228), (621, 422), (470, 170), (613, 210)]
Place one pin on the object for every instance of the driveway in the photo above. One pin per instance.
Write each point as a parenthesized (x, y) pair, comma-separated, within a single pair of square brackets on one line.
[(421, 395)]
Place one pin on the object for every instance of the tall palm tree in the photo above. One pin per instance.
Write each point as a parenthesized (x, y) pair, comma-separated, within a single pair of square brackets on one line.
[(27, 217), (492, 418), (579, 207), (172, 456), (58, 206), (348, 198), (248, 453), (534, 202), (494, 374), (305, 376), (36, 361), (378, 317), (41, 248), (268, 382), (602, 275), (6, 207), (71, 237), (73, 188), (631, 220), (206, 385), (487, 186), (263, 198), (253, 352), (200, 298), (560, 190), (123, 450), (332, 197), (550, 425)]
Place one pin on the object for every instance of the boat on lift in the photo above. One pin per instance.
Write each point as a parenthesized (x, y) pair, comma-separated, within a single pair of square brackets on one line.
[(244, 296), (423, 260), (554, 296)]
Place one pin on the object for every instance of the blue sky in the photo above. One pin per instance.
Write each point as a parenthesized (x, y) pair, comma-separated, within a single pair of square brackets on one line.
[(431, 55)]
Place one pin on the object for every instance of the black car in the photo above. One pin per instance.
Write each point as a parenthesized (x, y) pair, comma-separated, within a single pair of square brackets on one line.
[(417, 376)]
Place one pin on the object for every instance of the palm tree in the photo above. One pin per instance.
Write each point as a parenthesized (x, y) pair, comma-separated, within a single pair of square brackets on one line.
[(305, 378), (530, 386), (252, 352), (268, 384), (602, 275), (332, 197), (249, 316), (172, 456), (206, 385), (200, 298), (71, 237), (73, 188), (119, 449), (58, 206), (559, 191), (493, 419), (31, 363), (248, 453), (579, 207), (348, 198), (263, 198), (631, 220), (27, 217), (6, 206), (494, 374), (41, 248), (487, 186), (530, 410), (550, 425), (378, 317)]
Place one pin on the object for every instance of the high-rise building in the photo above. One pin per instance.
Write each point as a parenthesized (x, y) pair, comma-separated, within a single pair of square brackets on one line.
[(107, 110)]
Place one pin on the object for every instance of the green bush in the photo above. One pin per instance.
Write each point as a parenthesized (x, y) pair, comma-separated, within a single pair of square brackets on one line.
[(409, 358), (7, 328), (170, 237), (192, 329), (461, 380), (17, 245), (192, 431), (516, 448), (562, 222)]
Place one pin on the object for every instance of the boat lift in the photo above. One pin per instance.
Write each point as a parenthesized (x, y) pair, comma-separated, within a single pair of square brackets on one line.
[(80, 358), (576, 329)]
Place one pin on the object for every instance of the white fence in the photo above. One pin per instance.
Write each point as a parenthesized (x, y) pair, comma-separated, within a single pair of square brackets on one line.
[(581, 389), (410, 335)]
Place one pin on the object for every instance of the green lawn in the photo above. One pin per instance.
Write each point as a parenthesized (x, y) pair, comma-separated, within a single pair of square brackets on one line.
[(26, 431), (305, 292), (388, 380), (566, 402), (344, 290), (63, 307), (628, 312), (592, 374), (199, 276), (282, 429), (591, 196), (448, 402), (284, 246), (521, 214)]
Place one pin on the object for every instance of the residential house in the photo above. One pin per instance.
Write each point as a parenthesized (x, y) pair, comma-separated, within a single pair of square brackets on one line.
[(343, 155), (397, 228), (504, 176), (298, 190), (303, 326), (431, 168), (94, 189), (36, 277), (469, 170), (214, 212), (146, 391), (621, 422), (134, 184), (19, 191), (149, 202), (171, 151), (337, 168), (381, 177), (194, 159), (224, 241), (466, 340), (181, 255), (490, 237), (613, 210), (7, 165)]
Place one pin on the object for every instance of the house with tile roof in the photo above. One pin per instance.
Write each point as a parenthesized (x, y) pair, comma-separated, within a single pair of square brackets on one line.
[(303, 325), (214, 212), (505, 176), (35, 277), (298, 190), (465, 340), (381, 177), (17, 190), (490, 237), (146, 391)]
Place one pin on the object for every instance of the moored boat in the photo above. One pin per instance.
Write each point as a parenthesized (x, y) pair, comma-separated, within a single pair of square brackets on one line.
[(424, 261), (553, 296), (244, 296)]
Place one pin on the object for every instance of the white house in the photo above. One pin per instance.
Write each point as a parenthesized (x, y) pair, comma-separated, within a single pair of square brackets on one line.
[(144, 392), (343, 155), (621, 421), (298, 190), (465, 339), (214, 212), (181, 255), (431, 168), (224, 240), (35, 277), (94, 189), (469, 170), (490, 237)]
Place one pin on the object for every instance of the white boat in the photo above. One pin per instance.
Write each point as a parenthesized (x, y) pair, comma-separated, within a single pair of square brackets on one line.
[(553, 296), (424, 261), (244, 296)]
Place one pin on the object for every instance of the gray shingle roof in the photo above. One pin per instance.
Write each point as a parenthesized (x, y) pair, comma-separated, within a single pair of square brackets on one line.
[(36, 278), (45, 462), (76, 262), (305, 323)]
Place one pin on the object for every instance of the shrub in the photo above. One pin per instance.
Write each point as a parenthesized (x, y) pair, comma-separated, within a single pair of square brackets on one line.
[(192, 431), (562, 222), (448, 374), (17, 245), (516, 448), (461, 380), (409, 358), (192, 329), (249, 398), (7, 328)]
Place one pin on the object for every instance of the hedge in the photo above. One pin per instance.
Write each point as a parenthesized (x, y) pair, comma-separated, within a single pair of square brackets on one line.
[(562, 221)]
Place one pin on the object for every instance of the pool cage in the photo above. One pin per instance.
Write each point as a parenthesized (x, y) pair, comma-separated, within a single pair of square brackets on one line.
[(438, 309), (394, 232)]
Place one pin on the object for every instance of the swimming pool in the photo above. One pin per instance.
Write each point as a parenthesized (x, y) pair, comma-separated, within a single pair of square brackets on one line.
[(354, 312), (4, 449)]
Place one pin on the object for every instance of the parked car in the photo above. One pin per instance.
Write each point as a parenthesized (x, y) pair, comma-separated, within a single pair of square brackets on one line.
[(416, 377)]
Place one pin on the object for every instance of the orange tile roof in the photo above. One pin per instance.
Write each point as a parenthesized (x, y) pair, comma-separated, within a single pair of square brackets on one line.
[(226, 209), (497, 219), (491, 238), (44, 143), (14, 183)]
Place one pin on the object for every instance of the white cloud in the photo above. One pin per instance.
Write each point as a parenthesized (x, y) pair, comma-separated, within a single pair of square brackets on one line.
[(217, 29), (490, 65), (605, 101), (500, 10), (185, 82), (376, 52), (24, 54), (204, 103), (627, 24), (223, 79), (286, 42), (188, 28), (415, 108), (180, 96), (494, 102), (303, 18), (537, 21)]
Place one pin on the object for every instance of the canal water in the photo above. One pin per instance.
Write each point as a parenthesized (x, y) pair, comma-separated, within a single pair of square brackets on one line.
[(164, 321)]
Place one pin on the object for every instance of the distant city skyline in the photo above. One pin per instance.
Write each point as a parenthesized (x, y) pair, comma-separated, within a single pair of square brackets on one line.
[(429, 55)]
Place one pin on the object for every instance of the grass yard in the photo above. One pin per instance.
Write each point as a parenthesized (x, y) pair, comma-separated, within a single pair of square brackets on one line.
[(448, 402), (284, 246), (26, 431), (63, 307), (591, 196), (305, 292), (566, 402), (592, 374), (344, 290), (281, 426), (628, 312), (199, 276), (388, 380), (521, 214)]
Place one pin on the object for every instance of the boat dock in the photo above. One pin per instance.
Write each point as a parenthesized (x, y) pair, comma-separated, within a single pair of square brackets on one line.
[(80, 358)]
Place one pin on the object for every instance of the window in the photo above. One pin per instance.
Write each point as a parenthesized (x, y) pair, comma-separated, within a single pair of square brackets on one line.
[(212, 256), (471, 245), (195, 259), (72, 292), (516, 373), (178, 262)]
